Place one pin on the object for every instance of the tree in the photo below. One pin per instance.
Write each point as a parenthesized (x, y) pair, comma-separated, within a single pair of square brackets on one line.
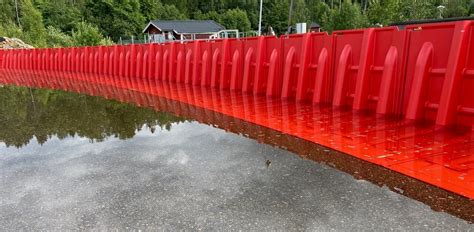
[(60, 14), (457, 8), (414, 10), (300, 12), (471, 11), (115, 18), (87, 34), (276, 15), (7, 12), (56, 38), (211, 15), (153, 9), (170, 12), (150, 8), (235, 19), (31, 22), (384, 12), (319, 12), (348, 16)]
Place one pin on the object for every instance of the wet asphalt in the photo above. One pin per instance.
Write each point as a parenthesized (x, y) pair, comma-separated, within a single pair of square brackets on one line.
[(193, 177)]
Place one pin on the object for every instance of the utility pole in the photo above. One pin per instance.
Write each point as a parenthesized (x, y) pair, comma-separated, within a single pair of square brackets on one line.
[(289, 17), (260, 19), (17, 14)]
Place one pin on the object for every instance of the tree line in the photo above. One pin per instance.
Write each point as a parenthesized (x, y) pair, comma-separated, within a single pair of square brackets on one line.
[(56, 23)]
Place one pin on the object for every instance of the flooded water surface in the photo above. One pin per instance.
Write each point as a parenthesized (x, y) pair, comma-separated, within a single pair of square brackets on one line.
[(71, 161)]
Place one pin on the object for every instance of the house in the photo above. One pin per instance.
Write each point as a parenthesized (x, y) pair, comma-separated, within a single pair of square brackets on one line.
[(315, 27), (161, 30)]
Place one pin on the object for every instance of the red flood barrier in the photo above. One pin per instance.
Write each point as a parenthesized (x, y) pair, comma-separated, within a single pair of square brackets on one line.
[(293, 47), (379, 81), (204, 75), (430, 49), (249, 51), (314, 82), (457, 100), (350, 61), (420, 72), (231, 72), (267, 78)]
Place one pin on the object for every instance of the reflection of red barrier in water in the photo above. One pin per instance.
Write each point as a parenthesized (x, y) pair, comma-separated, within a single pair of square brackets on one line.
[(439, 156), (375, 94)]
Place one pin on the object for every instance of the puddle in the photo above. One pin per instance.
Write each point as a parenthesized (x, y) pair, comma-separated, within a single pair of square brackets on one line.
[(140, 161)]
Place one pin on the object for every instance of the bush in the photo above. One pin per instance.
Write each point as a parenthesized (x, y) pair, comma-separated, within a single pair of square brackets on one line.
[(87, 34), (235, 19), (56, 38), (348, 16)]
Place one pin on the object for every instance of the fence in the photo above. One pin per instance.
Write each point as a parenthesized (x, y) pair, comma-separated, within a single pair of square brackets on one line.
[(422, 72)]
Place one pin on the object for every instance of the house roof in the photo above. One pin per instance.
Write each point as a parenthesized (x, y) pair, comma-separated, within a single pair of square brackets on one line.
[(186, 26), (315, 24)]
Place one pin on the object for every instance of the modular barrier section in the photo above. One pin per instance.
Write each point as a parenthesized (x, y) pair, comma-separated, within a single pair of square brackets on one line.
[(398, 78)]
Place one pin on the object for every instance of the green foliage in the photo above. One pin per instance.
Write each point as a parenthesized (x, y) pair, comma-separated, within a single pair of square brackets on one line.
[(212, 15), (87, 34), (60, 14), (319, 12), (115, 18), (413, 10), (7, 11), (9, 29), (457, 8), (276, 15), (471, 8), (348, 16), (31, 22), (235, 19), (384, 13), (300, 12), (170, 12), (153, 9), (56, 38)]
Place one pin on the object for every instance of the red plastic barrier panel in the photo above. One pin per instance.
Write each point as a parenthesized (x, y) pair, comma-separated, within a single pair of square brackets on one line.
[(268, 79), (249, 52), (5, 59), (76, 64), (457, 96), (146, 68), (19, 59), (139, 61), (231, 76), (178, 62), (149, 62), (205, 64), (314, 77), (157, 57), (104, 57), (430, 49), (261, 65), (22, 59), (189, 56), (349, 59), (166, 61), (380, 81), (2, 59), (218, 48), (293, 48)]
